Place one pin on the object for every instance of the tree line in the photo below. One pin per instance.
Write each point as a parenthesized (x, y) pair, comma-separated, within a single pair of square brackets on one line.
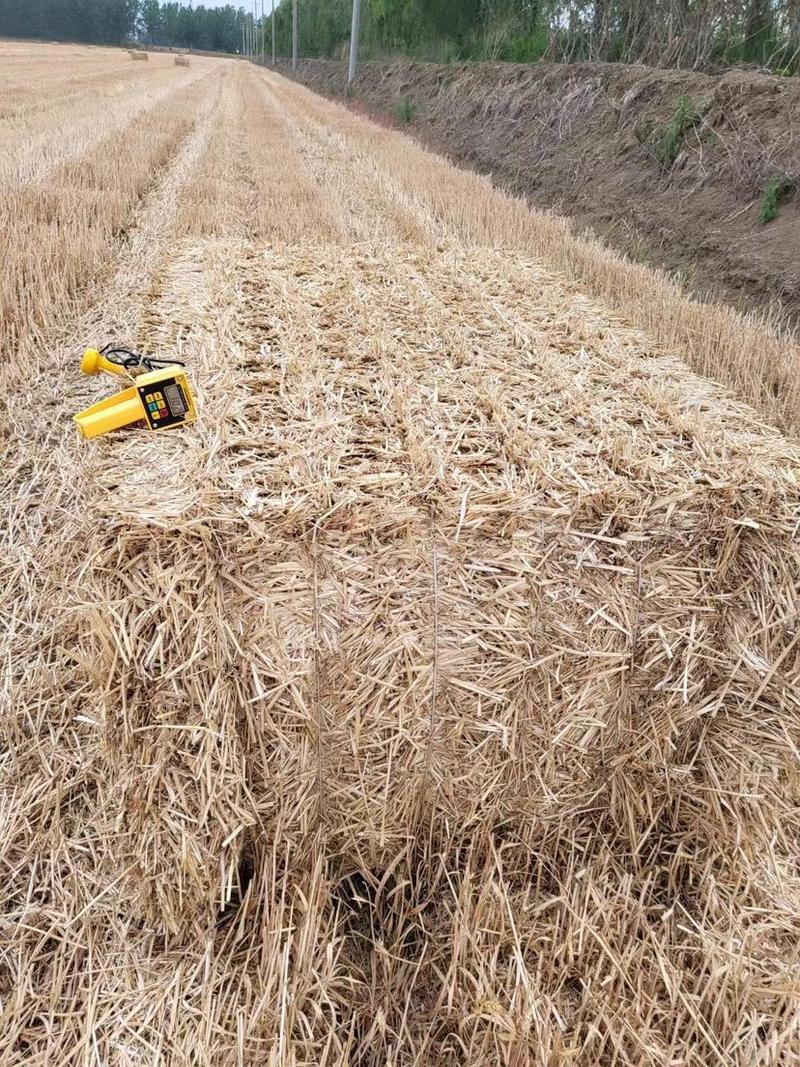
[(93, 21), (115, 22), (682, 33), (203, 28)]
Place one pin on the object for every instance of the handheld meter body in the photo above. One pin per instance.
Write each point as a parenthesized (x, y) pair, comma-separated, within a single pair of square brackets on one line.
[(161, 398)]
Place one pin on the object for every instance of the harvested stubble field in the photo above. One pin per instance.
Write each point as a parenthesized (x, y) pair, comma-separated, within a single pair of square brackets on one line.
[(434, 700)]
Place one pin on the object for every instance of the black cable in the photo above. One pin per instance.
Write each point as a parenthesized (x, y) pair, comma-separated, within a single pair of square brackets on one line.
[(151, 363), (133, 359)]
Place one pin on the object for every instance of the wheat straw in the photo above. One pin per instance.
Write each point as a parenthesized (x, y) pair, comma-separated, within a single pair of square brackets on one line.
[(433, 700)]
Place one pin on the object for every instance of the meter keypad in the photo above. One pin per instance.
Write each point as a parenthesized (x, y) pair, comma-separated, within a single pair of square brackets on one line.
[(156, 405)]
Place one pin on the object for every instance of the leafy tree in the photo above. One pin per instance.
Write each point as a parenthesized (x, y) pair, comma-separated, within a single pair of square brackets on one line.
[(682, 33), (119, 21)]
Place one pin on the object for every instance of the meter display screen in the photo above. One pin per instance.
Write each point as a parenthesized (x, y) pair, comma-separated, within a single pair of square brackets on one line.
[(174, 397)]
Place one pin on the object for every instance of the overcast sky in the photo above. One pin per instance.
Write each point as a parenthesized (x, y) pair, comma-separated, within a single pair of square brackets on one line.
[(246, 4)]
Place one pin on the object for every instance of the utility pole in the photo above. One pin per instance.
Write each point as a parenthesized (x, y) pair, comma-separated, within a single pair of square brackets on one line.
[(263, 30), (351, 73), (273, 33), (294, 34), (242, 38)]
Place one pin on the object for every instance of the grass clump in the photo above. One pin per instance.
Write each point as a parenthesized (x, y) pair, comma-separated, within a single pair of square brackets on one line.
[(779, 186), (670, 142), (405, 110)]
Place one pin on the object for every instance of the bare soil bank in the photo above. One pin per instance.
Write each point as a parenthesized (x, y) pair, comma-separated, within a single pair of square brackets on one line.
[(591, 141)]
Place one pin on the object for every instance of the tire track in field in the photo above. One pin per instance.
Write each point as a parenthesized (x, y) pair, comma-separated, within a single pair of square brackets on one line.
[(288, 206), (220, 197), (369, 206)]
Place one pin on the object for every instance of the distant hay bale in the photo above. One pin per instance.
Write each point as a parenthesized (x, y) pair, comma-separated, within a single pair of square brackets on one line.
[(181, 61), (142, 56)]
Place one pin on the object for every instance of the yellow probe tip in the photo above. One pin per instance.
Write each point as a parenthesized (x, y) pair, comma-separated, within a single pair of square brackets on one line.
[(89, 363)]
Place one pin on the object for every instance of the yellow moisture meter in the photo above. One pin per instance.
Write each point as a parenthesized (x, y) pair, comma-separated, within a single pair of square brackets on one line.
[(160, 397)]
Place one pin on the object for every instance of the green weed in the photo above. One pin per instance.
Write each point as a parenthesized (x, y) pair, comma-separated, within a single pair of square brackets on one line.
[(405, 110), (779, 186), (685, 276), (670, 141)]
